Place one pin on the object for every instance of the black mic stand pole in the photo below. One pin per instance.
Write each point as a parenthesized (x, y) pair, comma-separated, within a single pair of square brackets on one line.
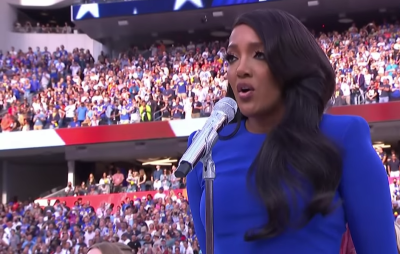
[(208, 177)]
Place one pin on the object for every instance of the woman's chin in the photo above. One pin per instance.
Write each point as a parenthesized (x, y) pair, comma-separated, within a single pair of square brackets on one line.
[(247, 111)]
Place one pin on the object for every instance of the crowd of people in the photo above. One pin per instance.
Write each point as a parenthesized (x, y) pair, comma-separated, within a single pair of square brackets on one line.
[(157, 225), (117, 181), (366, 62), (44, 89), (153, 224), (48, 28)]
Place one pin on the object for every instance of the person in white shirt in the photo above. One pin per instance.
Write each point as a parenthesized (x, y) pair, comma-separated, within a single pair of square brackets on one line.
[(124, 238), (178, 245), (187, 106), (160, 194), (60, 66), (188, 248), (7, 233), (75, 68), (70, 111), (45, 79), (69, 188), (101, 211), (122, 230), (89, 234), (346, 91)]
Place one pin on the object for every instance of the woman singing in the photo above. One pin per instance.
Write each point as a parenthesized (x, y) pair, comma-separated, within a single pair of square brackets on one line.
[(288, 176)]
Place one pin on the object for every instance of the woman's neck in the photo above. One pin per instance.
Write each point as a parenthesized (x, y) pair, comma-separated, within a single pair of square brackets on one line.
[(265, 123)]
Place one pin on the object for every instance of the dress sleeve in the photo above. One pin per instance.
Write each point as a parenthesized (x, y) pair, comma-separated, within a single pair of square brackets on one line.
[(365, 192), (195, 188)]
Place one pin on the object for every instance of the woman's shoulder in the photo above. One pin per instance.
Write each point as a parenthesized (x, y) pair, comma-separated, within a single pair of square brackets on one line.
[(344, 127), (334, 121), (340, 119)]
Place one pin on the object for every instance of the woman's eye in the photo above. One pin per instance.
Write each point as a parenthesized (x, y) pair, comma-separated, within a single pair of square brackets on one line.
[(230, 58), (259, 55)]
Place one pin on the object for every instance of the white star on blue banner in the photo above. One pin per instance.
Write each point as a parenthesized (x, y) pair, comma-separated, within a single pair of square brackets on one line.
[(93, 9), (179, 3)]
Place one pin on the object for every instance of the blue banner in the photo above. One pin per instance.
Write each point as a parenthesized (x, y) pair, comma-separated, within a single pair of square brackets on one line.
[(130, 8), (137, 7)]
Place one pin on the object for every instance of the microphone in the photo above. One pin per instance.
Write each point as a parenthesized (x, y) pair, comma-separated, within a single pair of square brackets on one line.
[(224, 112)]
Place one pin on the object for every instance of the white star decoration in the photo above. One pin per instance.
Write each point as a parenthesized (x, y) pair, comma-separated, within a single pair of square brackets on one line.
[(179, 3), (93, 9)]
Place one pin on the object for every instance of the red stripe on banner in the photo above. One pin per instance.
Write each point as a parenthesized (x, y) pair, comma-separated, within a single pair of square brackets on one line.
[(381, 112), (116, 133), (116, 199)]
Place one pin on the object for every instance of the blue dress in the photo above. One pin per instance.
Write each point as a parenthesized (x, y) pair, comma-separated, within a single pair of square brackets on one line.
[(364, 190)]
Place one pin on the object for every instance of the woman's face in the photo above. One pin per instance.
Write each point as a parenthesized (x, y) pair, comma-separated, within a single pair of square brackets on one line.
[(248, 69)]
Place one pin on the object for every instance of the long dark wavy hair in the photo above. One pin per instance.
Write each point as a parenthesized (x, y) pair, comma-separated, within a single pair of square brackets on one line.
[(296, 164)]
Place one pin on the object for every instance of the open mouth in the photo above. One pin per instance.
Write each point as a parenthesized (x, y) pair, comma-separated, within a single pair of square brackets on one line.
[(245, 90)]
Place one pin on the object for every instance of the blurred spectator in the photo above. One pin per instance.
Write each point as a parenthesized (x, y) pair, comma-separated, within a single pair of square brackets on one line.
[(104, 184), (132, 180), (69, 189), (117, 179), (393, 166), (156, 178), (142, 180), (7, 123), (42, 28), (91, 181)]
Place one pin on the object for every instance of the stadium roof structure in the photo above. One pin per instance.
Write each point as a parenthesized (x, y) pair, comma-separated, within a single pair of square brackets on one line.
[(163, 24)]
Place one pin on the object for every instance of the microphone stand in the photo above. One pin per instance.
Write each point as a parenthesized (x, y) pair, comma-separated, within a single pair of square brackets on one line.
[(208, 177)]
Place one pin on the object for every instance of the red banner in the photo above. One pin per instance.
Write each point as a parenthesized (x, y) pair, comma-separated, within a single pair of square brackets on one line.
[(96, 200), (380, 112)]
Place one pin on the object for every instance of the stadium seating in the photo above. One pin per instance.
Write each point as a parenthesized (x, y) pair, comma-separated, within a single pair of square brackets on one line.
[(61, 89)]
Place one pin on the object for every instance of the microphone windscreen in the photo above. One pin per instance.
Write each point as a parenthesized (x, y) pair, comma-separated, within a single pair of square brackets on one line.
[(228, 106)]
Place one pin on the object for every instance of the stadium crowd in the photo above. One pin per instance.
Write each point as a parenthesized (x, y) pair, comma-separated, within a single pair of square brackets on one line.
[(148, 224), (42, 28), (42, 89), (158, 224), (117, 181)]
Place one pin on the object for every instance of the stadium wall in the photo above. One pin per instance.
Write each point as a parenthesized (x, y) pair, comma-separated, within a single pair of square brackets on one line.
[(30, 180), (8, 16)]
